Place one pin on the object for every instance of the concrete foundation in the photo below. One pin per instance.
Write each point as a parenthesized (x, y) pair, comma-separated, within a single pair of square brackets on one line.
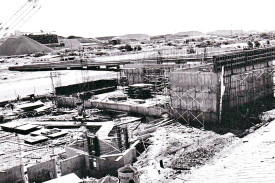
[(142, 110), (147, 111)]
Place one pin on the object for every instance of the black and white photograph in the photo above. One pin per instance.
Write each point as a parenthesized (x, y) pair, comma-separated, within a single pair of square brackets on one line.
[(147, 91)]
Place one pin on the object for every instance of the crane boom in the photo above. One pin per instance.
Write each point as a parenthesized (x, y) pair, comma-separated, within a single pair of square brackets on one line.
[(20, 17)]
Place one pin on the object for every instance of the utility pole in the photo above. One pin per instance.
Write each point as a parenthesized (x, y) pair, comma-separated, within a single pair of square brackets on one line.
[(51, 75)]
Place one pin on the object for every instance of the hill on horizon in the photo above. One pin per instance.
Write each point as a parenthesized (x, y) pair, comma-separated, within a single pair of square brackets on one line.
[(189, 33), (135, 36), (234, 32)]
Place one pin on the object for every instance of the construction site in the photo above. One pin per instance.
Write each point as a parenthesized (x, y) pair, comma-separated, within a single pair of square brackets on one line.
[(147, 109)]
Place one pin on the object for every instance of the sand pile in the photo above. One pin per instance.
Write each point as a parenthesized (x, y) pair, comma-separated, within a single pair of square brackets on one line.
[(22, 45)]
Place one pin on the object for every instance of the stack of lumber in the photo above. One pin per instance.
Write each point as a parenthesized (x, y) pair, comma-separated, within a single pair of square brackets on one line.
[(140, 91)]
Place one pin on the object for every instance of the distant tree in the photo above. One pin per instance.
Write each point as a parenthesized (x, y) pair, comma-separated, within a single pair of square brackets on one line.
[(264, 35), (128, 47), (191, 50), (121, 47), (257, 44), (73, 37), (202, 39), (226, 43), (114, 42), (169, 44), (202, 45), (137, 48), (250, 44)]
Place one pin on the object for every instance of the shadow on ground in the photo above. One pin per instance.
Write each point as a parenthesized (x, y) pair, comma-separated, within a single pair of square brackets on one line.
[(242, 120)]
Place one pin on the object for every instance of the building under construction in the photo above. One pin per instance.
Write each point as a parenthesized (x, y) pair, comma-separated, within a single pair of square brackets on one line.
[(221, 91)]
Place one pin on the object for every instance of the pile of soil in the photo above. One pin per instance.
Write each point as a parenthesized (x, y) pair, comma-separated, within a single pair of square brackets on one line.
[(181, 149), (22, 45), (199, 156)]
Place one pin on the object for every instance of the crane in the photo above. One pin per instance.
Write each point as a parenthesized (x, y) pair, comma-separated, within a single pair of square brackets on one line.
[(20, 17)]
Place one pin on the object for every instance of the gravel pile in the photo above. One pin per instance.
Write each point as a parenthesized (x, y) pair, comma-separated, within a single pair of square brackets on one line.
[(22, 45)]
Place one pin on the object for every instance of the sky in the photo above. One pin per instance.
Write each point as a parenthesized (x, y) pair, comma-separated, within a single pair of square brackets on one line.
[(93, 18)]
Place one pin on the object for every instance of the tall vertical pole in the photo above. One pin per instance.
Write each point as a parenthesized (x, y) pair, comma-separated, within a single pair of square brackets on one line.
[(221, 92), (51, 75)]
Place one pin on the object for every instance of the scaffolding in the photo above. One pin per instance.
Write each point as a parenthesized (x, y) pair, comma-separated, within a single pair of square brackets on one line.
[(248, 78)]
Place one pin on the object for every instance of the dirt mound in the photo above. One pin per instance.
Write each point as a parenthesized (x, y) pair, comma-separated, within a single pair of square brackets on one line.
[(21, 45), (181, 149)]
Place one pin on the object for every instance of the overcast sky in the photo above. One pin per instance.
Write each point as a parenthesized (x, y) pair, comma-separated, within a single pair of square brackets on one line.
[(92, 18)]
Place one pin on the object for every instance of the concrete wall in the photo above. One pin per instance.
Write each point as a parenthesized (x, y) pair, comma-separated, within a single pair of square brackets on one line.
[(75, 165), (108, 164), (193, 93), (42, 172), (14, 174), (242, 86), (129, 156)]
